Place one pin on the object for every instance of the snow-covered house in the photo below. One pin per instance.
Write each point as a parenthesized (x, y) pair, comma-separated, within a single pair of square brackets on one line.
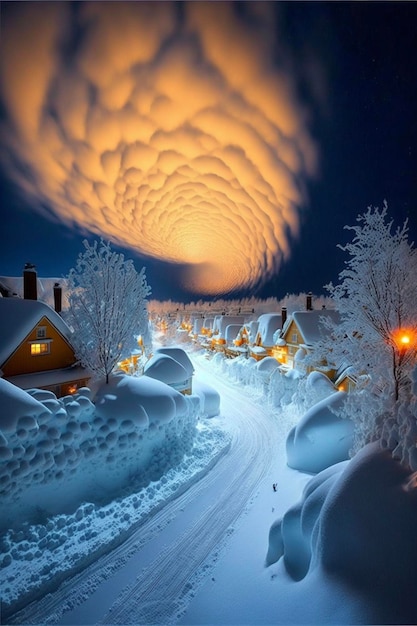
[(173, 367), (35, 348), (231, 349), (245, 337), (264, 343), (301, 332), (196, 328), (219, 339)]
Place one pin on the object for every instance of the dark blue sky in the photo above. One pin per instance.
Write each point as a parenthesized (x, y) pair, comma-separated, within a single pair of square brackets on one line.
[(363, 104)]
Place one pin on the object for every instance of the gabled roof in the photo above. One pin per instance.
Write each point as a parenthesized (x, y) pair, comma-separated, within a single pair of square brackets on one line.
[(18, 317), (310, 326)]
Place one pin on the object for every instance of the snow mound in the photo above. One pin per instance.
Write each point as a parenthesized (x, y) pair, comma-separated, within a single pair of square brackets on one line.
[(16, 404), (319, 383), (68, 450), (321, 438), (209, 398), (180, 355), (166, 369), (145, 400), (267, 365), (355, 529)]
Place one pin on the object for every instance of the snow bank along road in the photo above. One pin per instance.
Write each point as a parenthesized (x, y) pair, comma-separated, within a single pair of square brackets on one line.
[(152, 576)]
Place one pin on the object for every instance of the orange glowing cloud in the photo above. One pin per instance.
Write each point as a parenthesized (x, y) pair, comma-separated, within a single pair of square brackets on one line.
[(170, 134)]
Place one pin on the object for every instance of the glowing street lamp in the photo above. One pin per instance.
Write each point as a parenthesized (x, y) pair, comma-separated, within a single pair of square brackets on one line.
[(404, 338)]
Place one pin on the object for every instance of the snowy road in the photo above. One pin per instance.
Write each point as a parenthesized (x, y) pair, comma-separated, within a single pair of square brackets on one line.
[(153, 575)]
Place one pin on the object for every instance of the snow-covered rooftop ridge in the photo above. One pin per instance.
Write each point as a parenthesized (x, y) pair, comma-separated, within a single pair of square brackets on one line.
[(231, 332), (310, 325), (18, 317), (45, 287), (226, 320)]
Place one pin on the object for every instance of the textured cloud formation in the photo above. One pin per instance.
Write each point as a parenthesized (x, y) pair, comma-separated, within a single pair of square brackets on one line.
[(166, 131)]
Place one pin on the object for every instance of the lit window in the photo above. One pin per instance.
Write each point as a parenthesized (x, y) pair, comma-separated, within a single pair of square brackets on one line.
[(39, 348), (41, 332)]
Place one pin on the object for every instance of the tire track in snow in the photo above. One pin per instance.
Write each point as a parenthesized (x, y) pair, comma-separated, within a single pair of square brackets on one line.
[(159, 594)]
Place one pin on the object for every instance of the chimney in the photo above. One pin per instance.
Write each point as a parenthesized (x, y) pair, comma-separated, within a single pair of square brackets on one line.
[(30, 287), (309, 306), (283, 316), (58, 297)]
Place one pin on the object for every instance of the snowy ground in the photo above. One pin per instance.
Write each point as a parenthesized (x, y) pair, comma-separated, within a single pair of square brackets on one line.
[(191, 548), (168, 546)]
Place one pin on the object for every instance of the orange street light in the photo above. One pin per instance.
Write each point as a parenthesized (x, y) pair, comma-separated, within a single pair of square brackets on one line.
[(404, 338)]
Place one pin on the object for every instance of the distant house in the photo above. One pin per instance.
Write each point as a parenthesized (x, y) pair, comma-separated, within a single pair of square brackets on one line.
[(222, 323), (300, 334), (264, 343), (244, 338), (35, 348)]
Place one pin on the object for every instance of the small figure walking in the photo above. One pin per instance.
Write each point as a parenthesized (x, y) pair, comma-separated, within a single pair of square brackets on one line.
[(274, 486)]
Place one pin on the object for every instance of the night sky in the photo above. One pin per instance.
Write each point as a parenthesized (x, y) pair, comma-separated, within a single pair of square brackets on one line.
[(340, 136)]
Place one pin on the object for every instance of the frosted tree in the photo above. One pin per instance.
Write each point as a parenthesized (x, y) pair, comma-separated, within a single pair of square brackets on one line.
[(107, 307), (377, 300)]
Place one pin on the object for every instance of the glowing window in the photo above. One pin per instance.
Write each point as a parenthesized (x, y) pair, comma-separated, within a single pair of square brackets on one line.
[(39, 348)]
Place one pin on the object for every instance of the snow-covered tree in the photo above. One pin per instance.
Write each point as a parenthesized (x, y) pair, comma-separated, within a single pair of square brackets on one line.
[(107, 307), (377, 300)]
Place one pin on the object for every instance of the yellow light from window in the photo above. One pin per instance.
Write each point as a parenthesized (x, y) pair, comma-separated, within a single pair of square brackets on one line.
[(39, 348)]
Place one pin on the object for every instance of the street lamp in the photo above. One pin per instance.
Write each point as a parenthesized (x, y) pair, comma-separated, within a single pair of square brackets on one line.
[(404, 338)]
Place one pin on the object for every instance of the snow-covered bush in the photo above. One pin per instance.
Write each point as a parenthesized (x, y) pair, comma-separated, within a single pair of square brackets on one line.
[(399, 431), (283, 387)]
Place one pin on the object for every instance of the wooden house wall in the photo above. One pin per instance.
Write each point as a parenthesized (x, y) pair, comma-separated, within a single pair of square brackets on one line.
[(60, 355)]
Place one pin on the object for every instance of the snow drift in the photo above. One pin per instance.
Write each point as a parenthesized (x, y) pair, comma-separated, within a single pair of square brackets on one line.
[(354, 531), (57, 453), (321, 438)]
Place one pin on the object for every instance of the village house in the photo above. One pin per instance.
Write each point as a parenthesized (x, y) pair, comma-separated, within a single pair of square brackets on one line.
[(35, 348), (35, 343), (220, 336), (265, 338), (302, 331)]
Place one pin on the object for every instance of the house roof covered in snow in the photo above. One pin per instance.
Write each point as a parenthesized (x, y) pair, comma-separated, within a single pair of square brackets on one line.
[(179, 355), (18, 317), (228, 320), (232, 331), (310, 324), (268, 324), (45, 288), (165, 368)]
